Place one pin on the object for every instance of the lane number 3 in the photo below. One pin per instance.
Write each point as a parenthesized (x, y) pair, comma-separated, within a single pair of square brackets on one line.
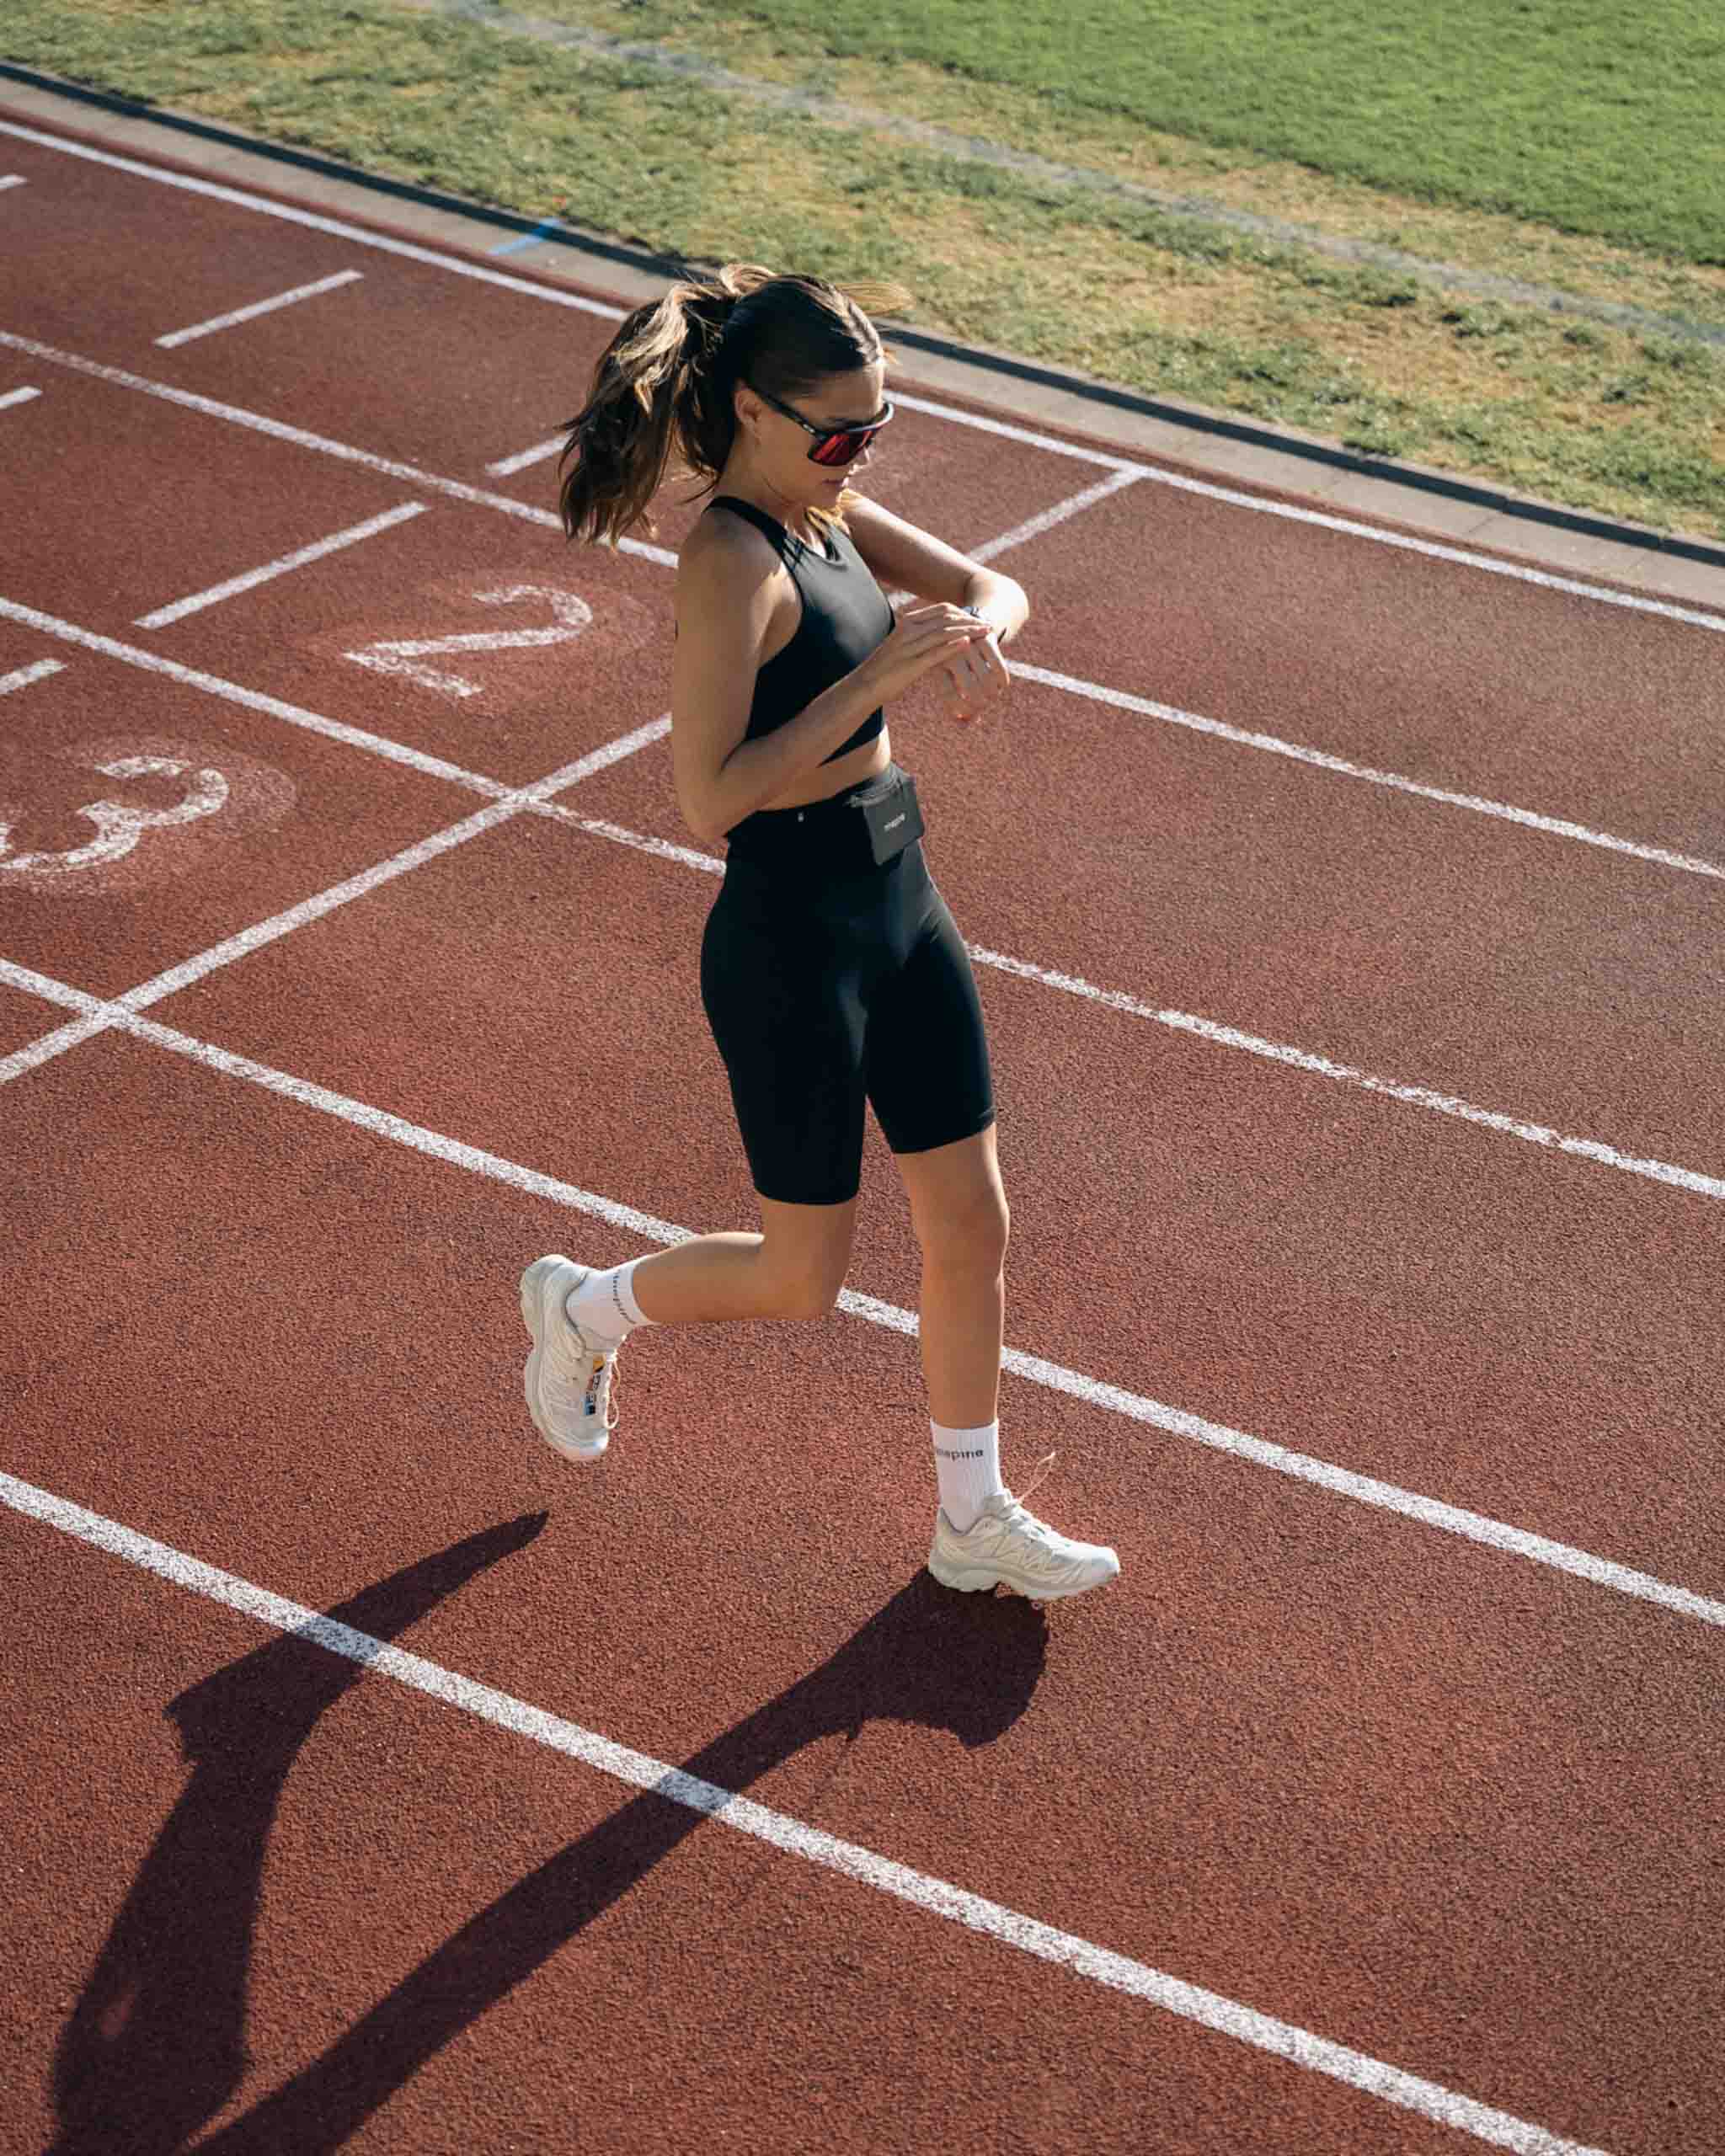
[(118, 825)]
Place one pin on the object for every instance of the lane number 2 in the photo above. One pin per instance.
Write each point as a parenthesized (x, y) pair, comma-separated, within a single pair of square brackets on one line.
[(118, 825), (406, 656)]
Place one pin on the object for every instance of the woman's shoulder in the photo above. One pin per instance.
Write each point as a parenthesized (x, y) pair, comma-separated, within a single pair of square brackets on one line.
[(726, 549), (728, 573)]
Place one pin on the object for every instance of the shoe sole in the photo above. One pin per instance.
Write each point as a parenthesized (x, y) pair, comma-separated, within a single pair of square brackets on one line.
[(539, 1312), (974, 1579)]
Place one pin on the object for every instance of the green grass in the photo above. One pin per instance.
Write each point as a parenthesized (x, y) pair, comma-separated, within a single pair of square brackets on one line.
[(1587, 414), (1586, 115)]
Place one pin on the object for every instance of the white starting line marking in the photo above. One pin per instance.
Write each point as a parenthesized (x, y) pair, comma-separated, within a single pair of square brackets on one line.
[(22, 676), (259, 306), (513, 799), (1340, 1482), (535, 799), (279, 430), (520, 462), (315, 552), (358, 234), (936, 1897), (17, 397), (213, 685), (1074, 505), (1070, 684)]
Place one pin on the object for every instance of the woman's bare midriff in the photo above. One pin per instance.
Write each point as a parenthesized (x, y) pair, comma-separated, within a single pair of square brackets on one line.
[(867, 762)]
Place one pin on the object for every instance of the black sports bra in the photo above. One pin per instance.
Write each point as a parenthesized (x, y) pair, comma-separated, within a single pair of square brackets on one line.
[(845, 616)]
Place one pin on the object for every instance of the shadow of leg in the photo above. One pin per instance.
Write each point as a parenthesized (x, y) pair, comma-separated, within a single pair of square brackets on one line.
[(961, 1663), (156, 2044)]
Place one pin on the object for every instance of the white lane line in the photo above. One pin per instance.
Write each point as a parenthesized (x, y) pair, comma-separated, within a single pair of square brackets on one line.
[(535, 798), (36, 1053), (18, 396), (513, 798), (1220, 1036), (279, 430), (552, 295), (1339, 1481), (12, 179), (315, 553), (1274, 744), (1009, 430), (259, 307), (358, 234), (1069, 684), (1320, 1066), (1033, 527), (1321, 519), (932, 1897), (536, 795), (522, 458), (22, 676), (192, 677), (661, 849)]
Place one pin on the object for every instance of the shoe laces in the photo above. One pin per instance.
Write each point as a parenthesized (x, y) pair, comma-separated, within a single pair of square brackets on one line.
[(592, 1345), (1043, 1466), (613, 1411), (1018, 1511)]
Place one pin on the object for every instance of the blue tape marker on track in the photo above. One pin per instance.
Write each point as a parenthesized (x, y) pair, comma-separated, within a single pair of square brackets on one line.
[(525, 239)]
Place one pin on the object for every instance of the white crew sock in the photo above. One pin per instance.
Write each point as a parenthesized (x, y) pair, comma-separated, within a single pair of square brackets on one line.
[(604, 1303), (967, 1466)]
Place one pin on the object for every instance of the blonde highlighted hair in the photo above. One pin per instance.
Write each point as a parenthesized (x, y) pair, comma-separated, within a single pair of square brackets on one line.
[(665, 388)]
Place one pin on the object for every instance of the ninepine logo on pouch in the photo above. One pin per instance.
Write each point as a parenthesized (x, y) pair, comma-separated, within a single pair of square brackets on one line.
[(598, 1372)]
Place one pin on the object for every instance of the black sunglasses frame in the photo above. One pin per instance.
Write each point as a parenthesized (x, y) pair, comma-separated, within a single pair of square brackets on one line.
[(828, 439)]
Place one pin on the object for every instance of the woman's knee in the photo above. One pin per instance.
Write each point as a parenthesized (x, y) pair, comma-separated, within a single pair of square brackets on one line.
[(973, 1232), (805, 1273), (808, 1290)]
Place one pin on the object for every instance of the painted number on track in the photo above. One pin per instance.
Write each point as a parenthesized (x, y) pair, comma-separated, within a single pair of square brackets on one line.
[(406, 658), (119, 824)]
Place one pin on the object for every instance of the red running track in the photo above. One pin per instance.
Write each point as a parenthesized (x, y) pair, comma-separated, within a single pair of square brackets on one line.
[(1400, 1737)]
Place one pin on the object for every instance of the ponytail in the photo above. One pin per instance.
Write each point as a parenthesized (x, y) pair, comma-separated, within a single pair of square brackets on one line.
[(665, 384)]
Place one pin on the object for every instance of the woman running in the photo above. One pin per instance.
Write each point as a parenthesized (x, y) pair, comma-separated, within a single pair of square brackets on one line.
[(830, 970)]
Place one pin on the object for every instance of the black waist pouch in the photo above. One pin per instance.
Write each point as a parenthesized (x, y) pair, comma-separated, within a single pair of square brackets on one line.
[(867, 826), (891, 814)]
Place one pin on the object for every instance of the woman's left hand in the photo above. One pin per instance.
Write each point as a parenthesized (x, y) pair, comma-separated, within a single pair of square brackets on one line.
[(979, 677)]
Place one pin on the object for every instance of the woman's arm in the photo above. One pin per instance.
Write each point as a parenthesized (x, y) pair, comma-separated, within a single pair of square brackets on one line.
[(904, 554)]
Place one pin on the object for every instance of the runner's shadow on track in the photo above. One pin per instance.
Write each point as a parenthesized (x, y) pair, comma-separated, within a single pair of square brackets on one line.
[(156, 2044), (964, 1664)]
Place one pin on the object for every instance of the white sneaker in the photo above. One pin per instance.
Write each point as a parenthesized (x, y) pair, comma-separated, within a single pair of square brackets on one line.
[(568, 1377), (1008, 1546)]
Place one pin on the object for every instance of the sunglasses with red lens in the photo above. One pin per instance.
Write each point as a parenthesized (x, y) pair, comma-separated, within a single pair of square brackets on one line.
[(831, 445)]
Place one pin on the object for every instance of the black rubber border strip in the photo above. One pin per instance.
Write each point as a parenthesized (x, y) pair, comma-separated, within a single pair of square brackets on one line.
[(1076, 385)]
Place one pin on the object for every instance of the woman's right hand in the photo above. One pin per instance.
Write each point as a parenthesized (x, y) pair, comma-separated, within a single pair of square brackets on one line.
[(922, 639)]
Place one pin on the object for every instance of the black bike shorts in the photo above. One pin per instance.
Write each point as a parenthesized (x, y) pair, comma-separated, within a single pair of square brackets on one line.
[(828, 984)]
